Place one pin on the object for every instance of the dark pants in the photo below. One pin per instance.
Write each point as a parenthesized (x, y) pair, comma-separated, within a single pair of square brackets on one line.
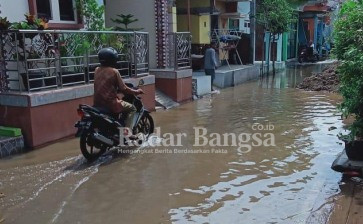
[(212, 73)]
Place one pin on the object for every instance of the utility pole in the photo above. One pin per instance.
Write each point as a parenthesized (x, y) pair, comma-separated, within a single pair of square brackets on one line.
[(189, 22), (253, 30)]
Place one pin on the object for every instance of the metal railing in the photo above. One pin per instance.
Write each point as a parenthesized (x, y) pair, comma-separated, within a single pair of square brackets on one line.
[(34, 60), (179, 52)]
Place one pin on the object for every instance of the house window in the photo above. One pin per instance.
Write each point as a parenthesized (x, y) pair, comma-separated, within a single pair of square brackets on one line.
[(44, 9), (66, 10), (234, 24), (56, 11)]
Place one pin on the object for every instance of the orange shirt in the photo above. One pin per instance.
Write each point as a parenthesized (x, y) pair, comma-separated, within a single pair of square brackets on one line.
[(107, 84)]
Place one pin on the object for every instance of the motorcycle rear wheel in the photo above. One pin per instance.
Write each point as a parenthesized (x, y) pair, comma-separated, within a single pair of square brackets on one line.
[(88, 147)]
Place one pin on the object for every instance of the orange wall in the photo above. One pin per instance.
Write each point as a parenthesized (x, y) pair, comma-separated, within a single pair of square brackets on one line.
[(180, 90), (45, 124)]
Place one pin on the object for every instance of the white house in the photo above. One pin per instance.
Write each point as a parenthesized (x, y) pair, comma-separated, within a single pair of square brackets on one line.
[(62, 14), (244, 23)]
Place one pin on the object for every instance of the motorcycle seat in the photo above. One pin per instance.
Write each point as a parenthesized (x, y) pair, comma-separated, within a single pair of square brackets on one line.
[(105, 111)]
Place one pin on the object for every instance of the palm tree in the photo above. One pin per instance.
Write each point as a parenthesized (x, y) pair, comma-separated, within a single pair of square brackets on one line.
[(125, 20)]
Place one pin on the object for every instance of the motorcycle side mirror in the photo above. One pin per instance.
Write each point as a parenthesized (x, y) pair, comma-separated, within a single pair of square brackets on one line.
[(141, 82)]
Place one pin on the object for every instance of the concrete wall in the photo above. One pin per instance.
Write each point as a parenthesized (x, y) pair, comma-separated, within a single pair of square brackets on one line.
[(233, 77), (175, 84), (223, 22), (180, 90), (193, 3), (201, 84), (204, 29), (200, 27), (14, 10), (173, 27), (279, 48), (182, 25), (200, 24), (45, 117), (144, 11), (244, 7)]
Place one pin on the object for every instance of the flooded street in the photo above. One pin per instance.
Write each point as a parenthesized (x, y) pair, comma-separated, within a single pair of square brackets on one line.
[(290, 182)]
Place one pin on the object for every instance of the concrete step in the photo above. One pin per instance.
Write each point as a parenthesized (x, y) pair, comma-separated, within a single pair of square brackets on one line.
[(201, 84), (164, 101), (11, 146)]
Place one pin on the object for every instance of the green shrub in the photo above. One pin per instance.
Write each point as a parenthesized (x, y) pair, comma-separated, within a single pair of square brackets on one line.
[(349, 50)]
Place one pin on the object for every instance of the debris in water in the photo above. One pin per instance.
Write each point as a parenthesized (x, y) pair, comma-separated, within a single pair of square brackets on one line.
[(332, 128), (327, 80), (2, 195)]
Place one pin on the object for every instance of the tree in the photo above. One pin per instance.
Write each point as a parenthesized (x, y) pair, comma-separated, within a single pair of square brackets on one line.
[(92, 13), (275, 16), (125, 20), (349, 50)]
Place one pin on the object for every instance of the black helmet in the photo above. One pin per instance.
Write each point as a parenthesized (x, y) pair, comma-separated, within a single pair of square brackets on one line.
[(108, 57)]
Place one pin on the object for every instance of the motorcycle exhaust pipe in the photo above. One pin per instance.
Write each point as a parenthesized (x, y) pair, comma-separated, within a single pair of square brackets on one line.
[(103, 139)]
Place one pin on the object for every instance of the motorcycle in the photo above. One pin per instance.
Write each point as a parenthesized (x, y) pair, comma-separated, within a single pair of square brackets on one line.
[(99, 130), (308, 54)]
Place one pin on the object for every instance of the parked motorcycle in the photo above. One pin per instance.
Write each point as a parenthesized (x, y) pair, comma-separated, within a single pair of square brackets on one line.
[(308, 54), (99, 130)]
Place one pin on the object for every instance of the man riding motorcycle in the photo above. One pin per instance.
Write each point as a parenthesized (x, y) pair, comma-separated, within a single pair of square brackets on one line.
[(108, 82), (101, 127)]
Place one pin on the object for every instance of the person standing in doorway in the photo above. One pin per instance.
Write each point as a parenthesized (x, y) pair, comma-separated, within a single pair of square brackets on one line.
[(210, 62)]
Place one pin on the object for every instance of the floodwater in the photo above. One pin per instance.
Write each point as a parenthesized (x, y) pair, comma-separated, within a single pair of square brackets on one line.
[(285, 180)]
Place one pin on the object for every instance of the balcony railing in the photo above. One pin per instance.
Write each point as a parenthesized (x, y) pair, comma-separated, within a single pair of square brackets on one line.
[(33, 60), (179, 52)]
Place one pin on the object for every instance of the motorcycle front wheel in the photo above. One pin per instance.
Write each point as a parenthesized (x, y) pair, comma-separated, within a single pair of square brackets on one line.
[(88, 148), (145, 125)]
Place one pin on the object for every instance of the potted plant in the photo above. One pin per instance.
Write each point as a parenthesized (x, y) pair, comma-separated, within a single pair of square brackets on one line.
[(33, 23), (4, 23), (30, 23), (348, 49)]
